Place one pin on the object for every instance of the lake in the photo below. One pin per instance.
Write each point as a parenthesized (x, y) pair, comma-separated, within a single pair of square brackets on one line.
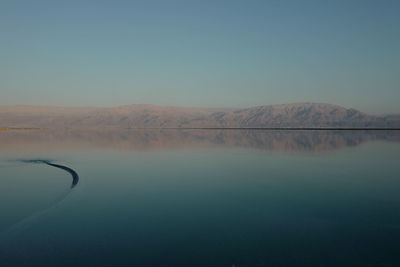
[(199, 198)]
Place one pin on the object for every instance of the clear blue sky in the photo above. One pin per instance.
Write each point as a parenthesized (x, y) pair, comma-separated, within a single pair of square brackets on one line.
[(201, 53)]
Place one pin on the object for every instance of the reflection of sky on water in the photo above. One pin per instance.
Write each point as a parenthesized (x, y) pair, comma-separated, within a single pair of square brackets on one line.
[(210, 203), (145, 140)]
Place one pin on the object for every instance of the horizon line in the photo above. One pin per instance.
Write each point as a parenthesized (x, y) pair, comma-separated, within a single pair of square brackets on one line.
[(216, 128)]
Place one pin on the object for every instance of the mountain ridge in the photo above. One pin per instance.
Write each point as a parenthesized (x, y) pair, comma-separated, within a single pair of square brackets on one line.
[(298, 115)]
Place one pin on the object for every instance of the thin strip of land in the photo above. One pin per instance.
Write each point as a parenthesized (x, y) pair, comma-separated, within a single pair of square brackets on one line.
[(17, 128), (275, 128), (233, 128)]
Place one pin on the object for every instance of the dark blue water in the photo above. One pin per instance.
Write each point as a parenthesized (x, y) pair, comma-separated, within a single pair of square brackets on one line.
[(200, 198)]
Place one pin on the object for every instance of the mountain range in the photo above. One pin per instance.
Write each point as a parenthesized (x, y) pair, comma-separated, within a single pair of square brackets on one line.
[(297, 115)]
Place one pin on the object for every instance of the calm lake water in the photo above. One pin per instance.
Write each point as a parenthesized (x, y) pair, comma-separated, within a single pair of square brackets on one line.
[(200, 198)]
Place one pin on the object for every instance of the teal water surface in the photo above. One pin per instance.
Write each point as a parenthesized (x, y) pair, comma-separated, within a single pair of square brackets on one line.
[(200, 198)]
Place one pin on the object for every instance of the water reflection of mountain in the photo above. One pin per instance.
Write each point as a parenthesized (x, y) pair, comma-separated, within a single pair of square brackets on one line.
[(272, 140)]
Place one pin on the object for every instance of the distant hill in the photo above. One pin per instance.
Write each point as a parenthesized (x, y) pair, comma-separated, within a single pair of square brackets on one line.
[(150, 116)]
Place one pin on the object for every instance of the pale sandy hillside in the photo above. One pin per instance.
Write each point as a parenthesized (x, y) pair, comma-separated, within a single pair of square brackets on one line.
[(151, 116)]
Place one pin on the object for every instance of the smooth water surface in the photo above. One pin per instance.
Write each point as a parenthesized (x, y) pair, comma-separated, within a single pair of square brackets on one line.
[(200, 198)]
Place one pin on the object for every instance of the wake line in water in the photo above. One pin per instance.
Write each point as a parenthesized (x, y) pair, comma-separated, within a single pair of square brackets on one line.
[(24, 223), (75, 176)]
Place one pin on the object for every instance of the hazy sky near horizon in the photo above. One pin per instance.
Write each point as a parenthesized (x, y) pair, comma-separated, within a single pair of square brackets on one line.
[(201, 53)]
